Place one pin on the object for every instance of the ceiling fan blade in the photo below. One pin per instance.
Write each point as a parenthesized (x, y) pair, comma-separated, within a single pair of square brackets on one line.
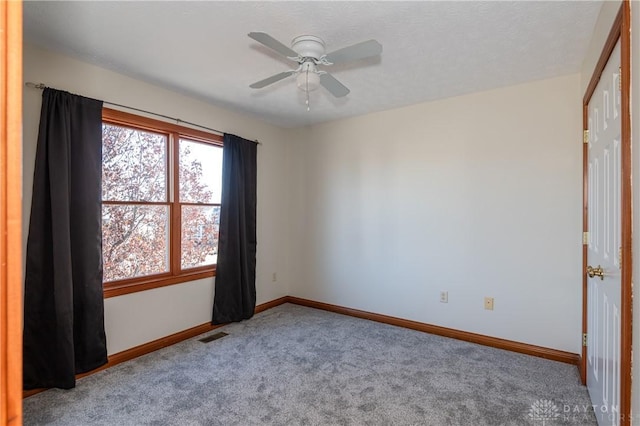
[(270, 80), (272, 43), (336, 88), (362, 50)]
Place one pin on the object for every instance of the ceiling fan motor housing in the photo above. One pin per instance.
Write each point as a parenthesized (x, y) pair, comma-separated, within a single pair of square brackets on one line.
[(308, 46)]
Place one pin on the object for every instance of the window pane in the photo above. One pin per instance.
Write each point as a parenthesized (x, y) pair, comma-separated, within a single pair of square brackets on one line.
[(134, 165), (135, 240), (200, 225), (200, 172)]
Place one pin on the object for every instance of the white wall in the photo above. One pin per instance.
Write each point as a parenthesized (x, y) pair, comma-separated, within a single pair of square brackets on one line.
[(138, 318), (478, 195)]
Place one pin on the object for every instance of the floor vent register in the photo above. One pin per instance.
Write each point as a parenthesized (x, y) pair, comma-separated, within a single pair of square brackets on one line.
[(214, 336)]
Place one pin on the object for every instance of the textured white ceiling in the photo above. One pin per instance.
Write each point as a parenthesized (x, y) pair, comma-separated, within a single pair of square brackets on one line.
[(431, 50)]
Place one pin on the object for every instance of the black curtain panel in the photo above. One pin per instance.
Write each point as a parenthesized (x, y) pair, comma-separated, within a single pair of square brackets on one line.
[(235, 289), (63, 300)]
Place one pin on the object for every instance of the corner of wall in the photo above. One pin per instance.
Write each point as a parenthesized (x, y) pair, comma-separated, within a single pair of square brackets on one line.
[(607, 15)]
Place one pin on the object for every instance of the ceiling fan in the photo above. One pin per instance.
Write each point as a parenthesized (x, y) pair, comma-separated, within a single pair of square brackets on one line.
[(309, 52)]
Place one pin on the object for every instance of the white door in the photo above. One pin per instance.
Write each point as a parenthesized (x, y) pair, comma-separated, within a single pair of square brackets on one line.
[(603, 255)]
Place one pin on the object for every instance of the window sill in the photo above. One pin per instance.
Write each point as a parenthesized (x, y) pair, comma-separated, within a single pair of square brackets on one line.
[(119, 289)]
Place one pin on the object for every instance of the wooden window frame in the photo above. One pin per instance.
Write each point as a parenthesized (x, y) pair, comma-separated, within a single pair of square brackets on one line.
[(174, 133)]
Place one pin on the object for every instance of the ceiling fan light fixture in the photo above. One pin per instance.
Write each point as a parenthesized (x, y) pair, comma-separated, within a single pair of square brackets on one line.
[(308, 81), (308, 78)]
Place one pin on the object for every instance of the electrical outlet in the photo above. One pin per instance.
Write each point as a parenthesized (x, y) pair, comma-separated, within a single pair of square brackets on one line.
[(444, 297), (488, 303), (274, 277)]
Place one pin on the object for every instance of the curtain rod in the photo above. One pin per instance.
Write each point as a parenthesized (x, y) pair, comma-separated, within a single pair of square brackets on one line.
[(42, 86)]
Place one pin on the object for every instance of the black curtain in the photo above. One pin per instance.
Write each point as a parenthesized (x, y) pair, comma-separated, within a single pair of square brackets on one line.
[(235, 289), (63, 300)]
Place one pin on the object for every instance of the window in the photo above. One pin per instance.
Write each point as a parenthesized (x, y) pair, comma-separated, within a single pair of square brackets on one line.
[(161, 187), (200, 187)]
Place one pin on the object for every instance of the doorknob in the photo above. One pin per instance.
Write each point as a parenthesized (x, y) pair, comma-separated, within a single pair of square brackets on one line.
[(595, 272)]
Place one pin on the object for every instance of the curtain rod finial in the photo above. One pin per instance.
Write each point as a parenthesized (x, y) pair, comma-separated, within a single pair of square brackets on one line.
[(35, 86)]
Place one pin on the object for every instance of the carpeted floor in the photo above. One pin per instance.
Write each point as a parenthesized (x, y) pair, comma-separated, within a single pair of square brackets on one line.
[(292, 365)]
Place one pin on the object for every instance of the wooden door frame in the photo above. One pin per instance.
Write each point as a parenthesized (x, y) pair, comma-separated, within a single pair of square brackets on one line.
[(619, 31), (10, 213)]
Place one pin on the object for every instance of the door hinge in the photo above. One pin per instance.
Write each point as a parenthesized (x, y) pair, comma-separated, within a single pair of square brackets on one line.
[(584, 339), (585, 136), (585, 237), (620, 257), (620, 79)]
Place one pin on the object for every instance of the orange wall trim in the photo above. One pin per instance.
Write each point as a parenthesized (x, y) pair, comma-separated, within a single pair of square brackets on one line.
[(10, 212), (539, 351), (510, 345)]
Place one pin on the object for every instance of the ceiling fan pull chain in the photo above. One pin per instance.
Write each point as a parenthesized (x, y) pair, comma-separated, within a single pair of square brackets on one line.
[(307, 91)]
